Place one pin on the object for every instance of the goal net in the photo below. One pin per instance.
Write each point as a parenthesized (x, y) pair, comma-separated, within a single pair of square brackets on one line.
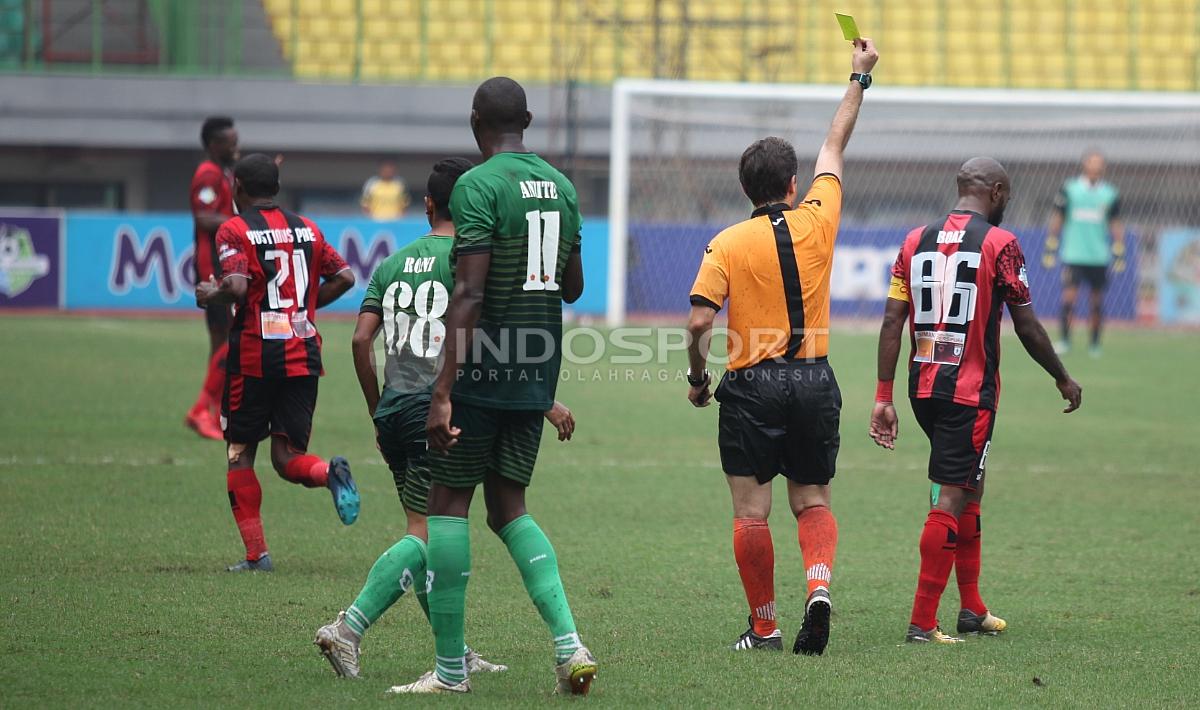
[(674, 181)]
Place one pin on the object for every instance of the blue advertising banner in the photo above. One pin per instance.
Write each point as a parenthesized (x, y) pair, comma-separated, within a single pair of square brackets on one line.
[(1179, 277), (144, 262), (663, 260), (30, 260)]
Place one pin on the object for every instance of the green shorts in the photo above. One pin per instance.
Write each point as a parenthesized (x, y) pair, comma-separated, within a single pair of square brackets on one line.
[(500, 441), (402, 442)]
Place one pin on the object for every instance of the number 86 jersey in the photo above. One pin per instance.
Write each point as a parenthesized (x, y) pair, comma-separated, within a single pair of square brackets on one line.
[(283, 256), (956, 276)]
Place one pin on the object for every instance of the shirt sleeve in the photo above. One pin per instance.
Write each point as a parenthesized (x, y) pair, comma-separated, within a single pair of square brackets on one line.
[(712, 282), (206, 191), (824, 201), (332, 262), (231, 251), (1012, 283), (373, 301), (1060, 200), (474, 214)]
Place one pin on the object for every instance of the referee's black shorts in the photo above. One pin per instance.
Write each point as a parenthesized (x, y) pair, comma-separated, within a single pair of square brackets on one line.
[(780, 418)]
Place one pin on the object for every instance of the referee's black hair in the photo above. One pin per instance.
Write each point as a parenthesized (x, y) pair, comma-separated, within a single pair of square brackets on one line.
[(501, 106), (213, 125), (766, 170), (258, 174), (441, 183)]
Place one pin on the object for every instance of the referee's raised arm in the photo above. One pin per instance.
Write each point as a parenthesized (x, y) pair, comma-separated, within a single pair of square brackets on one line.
[(829, 159)]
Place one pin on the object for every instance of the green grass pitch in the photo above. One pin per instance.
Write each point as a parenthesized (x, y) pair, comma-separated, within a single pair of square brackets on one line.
[(115, 528)]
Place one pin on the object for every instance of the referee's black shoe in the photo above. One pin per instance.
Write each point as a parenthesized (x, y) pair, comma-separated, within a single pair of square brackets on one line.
[(814, 634), (751, 640)]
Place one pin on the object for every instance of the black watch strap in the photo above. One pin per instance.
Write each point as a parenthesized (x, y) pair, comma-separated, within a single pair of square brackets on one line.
[(697, 381), (863, 79)]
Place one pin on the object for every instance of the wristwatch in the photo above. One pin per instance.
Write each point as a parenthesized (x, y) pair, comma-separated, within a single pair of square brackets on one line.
[(864, 79), (697, 381)]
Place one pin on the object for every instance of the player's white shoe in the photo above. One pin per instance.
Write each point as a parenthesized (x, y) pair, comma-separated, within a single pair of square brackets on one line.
[(429, 684), (478, 664), (339, 645), (575, 675)]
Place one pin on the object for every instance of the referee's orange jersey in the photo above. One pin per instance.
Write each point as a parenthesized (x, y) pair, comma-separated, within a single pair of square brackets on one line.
[(774, 270)]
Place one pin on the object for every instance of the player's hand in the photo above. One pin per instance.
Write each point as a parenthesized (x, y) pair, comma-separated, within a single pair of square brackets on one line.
[(701, 396), (865, 55), (205, 290), (1072, 392), (561, 419), (1048, 260), (885, 425), (438, 432)]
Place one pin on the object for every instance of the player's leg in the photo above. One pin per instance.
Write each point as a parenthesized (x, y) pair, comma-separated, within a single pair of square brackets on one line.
[(950, 465), (454, 476), (973, 615), (750, 431), (202, 417), (1096, 288), (1070, 292), (514, 456), (246, 413), (810, 462), (292, 408)]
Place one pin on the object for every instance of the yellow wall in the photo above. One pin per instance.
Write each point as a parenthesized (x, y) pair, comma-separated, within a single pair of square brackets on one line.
[(1086, 44)]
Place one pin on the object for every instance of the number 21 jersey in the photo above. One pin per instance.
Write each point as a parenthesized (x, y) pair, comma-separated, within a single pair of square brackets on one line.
[(525, 212), (957, 275), (284, 257)]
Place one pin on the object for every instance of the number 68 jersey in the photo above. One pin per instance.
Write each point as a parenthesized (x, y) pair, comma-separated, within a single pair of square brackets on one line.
[(284, 257), (956, 276)]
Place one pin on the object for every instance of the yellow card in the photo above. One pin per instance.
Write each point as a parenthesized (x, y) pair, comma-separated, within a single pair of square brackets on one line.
[(849, 27)]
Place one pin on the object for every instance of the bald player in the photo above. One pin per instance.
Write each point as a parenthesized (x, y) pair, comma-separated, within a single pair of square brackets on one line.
[(949, 283), (780, 403)]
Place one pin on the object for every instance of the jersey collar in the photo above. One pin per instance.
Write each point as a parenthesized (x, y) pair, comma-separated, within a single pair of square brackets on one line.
[(768, 209)]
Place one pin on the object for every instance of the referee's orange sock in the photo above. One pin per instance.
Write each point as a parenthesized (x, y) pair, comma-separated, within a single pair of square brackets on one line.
[(245, 499), (967, 559), (755, 556), (939, 541), (307, 470), (818, 534)]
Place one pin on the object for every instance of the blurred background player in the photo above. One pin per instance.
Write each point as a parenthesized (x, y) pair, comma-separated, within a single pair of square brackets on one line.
[(406, 298), (212, 204), (516, 260), (384, 196), (950, 283), (278, 269), (1087, 217), (780, 403)]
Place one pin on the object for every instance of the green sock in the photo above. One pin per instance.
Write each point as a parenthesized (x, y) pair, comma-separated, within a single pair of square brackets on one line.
[(390, 577), (450, 568), (534, 555), (423, 600)]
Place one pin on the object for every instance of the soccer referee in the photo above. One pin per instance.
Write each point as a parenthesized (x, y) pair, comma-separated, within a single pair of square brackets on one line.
[(780, 403)]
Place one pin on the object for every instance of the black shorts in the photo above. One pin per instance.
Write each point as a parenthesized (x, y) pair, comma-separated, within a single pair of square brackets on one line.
[(1096, 277), (780, 418), (254, 408), (959, 439), (402, 442)]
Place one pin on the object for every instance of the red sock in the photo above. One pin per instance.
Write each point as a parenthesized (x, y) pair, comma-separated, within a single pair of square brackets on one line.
[(938, 543), (307, 470), (245, 498), (967, 559), (755, 556), (818, 533), (214, 381)]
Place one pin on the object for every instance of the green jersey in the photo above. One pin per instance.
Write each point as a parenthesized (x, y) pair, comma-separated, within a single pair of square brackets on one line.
[(410, 291), (525, 213), (1087, 209)]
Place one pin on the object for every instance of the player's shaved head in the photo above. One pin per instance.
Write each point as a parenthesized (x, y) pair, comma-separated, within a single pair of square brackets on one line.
[(983, 187), (1093, 164), (257, 175), (500, 106)]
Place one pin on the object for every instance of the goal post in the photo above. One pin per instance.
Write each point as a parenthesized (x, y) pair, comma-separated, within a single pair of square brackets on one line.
[(673, 176)]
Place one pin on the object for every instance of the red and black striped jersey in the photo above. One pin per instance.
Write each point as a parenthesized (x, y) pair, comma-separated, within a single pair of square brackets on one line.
[(957, 275), (284, 256)]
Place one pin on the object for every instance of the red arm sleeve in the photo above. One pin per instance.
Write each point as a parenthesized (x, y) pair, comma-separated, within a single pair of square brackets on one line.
[(331, 261), (231, 250), (206, 191), (1011, 280)]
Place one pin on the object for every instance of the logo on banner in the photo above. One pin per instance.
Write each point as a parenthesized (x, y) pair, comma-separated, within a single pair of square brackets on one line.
[(20, 264)]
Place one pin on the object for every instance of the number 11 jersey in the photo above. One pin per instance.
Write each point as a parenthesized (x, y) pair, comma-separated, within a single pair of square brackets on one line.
[(526, 213), (957, 275)]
